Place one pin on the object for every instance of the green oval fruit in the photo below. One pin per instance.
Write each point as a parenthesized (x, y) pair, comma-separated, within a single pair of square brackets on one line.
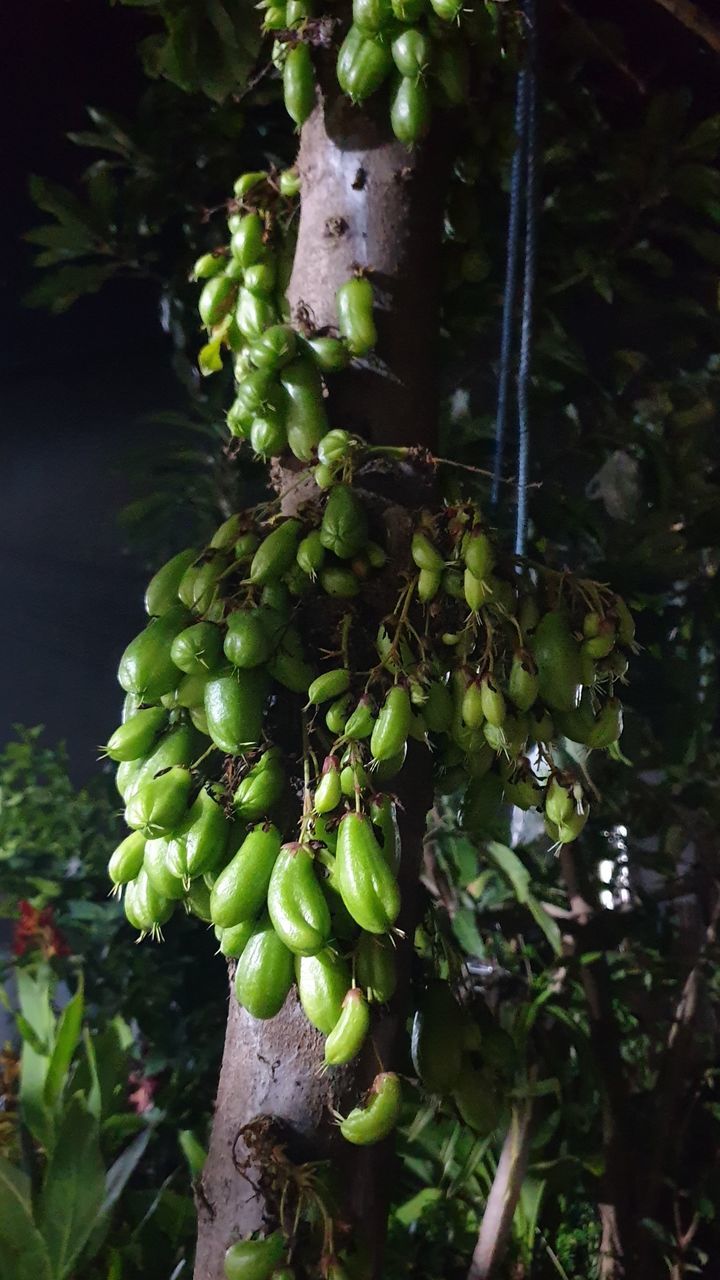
[(306, 419), (240, 890), (254, 1259), (275, 553), (162, 590), (248, 241), (424, 554), (557, 656), (523, 682), (364, 62), (234, 709), (207, 265), (158, 806), (409, 10), (146, 667), (274, 348), (217, 299), (331, 684), (299, 83), (371, 16), (437, 1039), (179, 745), (311, 554), (330, 354), (608, 725), (134, 739), (261, 788), (412, 52), (366, 883), (361, 722), (159, 873), (472, 711), (348, 1035), (126, 861), (296, 903), (339, 582), (478, 554), (328, 793), (448, 10), (254, 313), (410, 110), (392, 726), (145, 909), (323, 981), (375, 968), (493, 702), (354, 302), (246, 642), (377, 1119), (205, 835), (197, 649), (234, 940)]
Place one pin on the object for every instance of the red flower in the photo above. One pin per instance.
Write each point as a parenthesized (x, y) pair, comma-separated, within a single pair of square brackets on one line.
[(141, 1099), (36, 931)]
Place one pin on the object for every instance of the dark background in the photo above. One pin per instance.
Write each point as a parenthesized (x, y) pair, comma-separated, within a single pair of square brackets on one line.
[(72, 391), (73, 388)]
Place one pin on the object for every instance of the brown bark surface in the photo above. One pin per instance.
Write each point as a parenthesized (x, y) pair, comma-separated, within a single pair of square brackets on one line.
[(366, 202)]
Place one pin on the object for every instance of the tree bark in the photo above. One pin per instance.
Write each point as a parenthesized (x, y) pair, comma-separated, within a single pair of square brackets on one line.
[(366, 202)]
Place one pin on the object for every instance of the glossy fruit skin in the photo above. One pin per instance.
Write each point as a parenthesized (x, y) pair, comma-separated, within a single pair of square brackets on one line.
[(247, 244), (392, 726), (161, 593), (275, 553), (197, 900), (366, 883), (179, 745), (383, 810), (254, 313), (234, 708), (126, 861), (144, 907), (216, 299), (448, 10), (375, 1121), (437, 1039), (146, 667), (246, 642), (296, 903), (354, 302), (608, 725), (197, 649), (347, 1036), (254, 1259), (371, 16), (330, 354), (331, 684), (264, 973), (158, 806), (311, 553), (323, 981), (375, 968), (409, 10), (412, 51), (234, 940), (275, 348), (522, 683), (344, 529), (360, 722), (328, 792), (493, 702), (205, 834), (162, 879), (299, 83), (557, 656), (134, 739), (305, 420), (261, 788), (410, 110), (240, 890), (424, 554)]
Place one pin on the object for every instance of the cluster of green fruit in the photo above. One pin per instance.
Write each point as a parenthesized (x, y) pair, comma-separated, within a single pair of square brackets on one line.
[(414, 43), (297, 870), (265, 1259), (279, 370)]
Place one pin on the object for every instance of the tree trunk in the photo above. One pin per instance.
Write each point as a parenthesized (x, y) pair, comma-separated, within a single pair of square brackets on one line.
[(366, 202)]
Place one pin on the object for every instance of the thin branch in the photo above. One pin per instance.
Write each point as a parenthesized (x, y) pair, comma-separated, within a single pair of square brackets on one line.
[(695, 20), (504, 1193)]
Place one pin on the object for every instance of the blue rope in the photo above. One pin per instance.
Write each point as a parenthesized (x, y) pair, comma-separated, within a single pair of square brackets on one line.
[(513, 239), (528, 291), (523, 182)]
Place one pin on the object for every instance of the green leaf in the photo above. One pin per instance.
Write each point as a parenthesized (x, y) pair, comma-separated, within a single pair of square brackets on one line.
[(24, 1255), (512, 868), (117, 1179), (74, 1187), (37, 1026), (412, 1209), (547, 924), (67, 1038)]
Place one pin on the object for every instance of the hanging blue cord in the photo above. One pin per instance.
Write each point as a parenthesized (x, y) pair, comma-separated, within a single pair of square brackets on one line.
[(517, 175), (528, 288), (523, 184)]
